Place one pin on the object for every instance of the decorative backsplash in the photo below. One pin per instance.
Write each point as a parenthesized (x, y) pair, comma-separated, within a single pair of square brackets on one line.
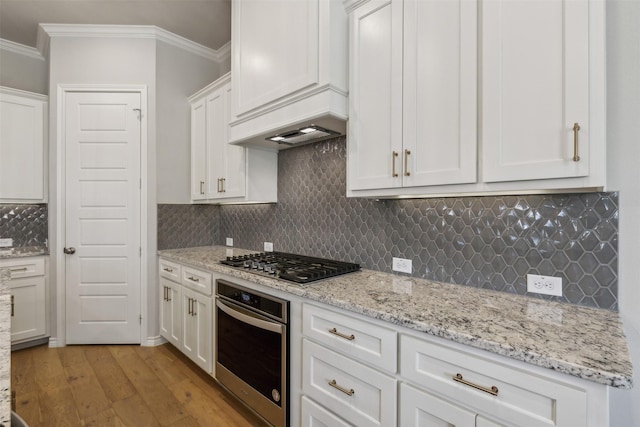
[(25, 224), (488, 242)]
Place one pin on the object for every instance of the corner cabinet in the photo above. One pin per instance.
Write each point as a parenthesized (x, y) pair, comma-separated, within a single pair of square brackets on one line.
[(23, 133), (289, 66), (361, 371), (451, 98), (220, 172)]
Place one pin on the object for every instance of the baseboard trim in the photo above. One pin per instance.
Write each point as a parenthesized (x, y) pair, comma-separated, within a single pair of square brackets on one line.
[(153, 341)]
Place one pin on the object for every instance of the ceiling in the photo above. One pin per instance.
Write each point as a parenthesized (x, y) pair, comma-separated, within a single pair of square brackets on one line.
[(207, 22)]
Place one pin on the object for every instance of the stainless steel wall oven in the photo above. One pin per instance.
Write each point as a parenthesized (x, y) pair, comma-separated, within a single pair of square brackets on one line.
[(251, 347)]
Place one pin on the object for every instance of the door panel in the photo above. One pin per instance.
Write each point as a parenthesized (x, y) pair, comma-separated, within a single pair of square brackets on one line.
[(102, 188)]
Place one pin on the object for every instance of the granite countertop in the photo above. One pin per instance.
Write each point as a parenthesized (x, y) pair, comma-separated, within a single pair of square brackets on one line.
[(5, 348), (584, 342), (21, 252)]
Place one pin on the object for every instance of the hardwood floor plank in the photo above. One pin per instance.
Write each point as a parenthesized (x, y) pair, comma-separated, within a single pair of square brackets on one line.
[(71, 355), (112, 378), (23, 374), (163, 363), (106, 418), (48, 369), (59, 408), (28, 407), (134, 412)]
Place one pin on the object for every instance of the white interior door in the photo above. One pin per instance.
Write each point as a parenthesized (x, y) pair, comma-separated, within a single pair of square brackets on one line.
[(102, 151)]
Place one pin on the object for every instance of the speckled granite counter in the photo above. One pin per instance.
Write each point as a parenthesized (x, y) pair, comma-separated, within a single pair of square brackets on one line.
[(584, 342), (5, 348), (22, 252)]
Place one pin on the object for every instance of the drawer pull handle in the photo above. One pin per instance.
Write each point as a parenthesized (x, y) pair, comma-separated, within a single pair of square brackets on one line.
[(194, 279), (168, 270), (18, 269), (492, 391), (394, 156), (13, 305), (576, 128), (335, 385), (334, 331)]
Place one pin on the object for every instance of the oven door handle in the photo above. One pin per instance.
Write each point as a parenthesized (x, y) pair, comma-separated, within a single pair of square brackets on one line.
[(248, 319)]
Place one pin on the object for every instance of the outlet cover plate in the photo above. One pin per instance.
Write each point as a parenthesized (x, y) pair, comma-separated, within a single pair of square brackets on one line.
[(6, 243), (402, 265), (268, 246), (229, 241), (546, 285)]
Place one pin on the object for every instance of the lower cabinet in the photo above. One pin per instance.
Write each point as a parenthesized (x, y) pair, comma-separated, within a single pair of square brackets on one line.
[(29, 308), (186, 319)]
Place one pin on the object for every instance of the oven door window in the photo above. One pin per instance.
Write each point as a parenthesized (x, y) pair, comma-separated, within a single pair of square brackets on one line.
[(252, 353)]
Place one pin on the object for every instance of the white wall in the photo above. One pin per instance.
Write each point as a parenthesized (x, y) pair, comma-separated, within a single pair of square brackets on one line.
[(102, 61), (24, 72), (623, 166), (179, 74)]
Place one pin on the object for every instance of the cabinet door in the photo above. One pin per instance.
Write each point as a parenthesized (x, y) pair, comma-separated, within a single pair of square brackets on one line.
[(275, 50), (28, 307), (198, 149), (170, 312), (535, 86), (21, 148), (440, 92), (421, 409), (375, 96), (196, 329)]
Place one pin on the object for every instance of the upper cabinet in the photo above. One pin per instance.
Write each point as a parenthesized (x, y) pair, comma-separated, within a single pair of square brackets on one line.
[(413, 94), (453, 98), (289, 67), (23, 119), (220, 172)]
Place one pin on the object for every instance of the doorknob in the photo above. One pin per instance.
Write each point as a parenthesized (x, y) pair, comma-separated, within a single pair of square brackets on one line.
[(70, 251)]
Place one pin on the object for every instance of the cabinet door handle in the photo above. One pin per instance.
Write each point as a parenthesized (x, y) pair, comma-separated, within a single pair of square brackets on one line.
[(12, 306), (201, 187), (348, 392), (334, 331), (406, 162), (18, 269), (394, 156), (492, 391), (224, 184), (189, 307), (168, 270), (576, 129), (194, 279)]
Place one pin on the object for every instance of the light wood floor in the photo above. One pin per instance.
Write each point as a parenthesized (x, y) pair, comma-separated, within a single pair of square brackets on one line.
[(118, 386)]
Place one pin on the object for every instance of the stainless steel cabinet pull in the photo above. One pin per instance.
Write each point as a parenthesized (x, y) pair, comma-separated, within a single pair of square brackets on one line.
[(406, 162), (335, 385), (69, 251), (492, 391), (169, 270), (18, 269), (224, 184), (394, 156), (201, 187), (189, 306), (218, 187), (12, 306), (576, 129), (195, 279), (334, 331)]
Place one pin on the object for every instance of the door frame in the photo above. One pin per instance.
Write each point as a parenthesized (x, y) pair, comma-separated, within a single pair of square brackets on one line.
[(59, 226)]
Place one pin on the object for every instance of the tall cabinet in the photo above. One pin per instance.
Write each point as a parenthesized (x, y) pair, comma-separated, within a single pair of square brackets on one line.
[(22, 146), (220, 172)]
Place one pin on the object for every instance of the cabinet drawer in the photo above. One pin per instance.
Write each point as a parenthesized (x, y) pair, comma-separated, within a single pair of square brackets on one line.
[(314, 415), (355, 392), (24, 267), (198, 280), (357, 338), (523, 398), (170, 270), (418, 408)]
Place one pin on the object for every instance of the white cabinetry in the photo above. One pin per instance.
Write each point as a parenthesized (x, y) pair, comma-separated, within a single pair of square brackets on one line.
[(412, 94), (289, 66), (29, 306), (415, 93), (186, 311), (23, 118), (220, 172)]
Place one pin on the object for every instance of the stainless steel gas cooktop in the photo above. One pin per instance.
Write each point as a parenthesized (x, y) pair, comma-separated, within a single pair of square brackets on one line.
[(295, 268)]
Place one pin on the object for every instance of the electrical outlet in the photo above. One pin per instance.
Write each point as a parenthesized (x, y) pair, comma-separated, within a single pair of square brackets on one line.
[(547, 285), (6, 243), (229, 241), (268, 246), (402, 265)]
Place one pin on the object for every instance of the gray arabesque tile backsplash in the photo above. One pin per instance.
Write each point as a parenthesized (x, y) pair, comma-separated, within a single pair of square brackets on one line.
[(489, 242), (26, 224)]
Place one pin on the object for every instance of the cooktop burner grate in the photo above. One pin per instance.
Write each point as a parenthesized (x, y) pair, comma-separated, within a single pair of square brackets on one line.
[(296, 268)]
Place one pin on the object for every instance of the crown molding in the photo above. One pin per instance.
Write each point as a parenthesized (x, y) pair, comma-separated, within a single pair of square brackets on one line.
[(46, 31), (21, 49)]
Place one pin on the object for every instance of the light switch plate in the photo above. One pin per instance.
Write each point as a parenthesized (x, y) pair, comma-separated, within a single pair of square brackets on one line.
[(229, 241), (402, 265), (6, 243), (268, 246)]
